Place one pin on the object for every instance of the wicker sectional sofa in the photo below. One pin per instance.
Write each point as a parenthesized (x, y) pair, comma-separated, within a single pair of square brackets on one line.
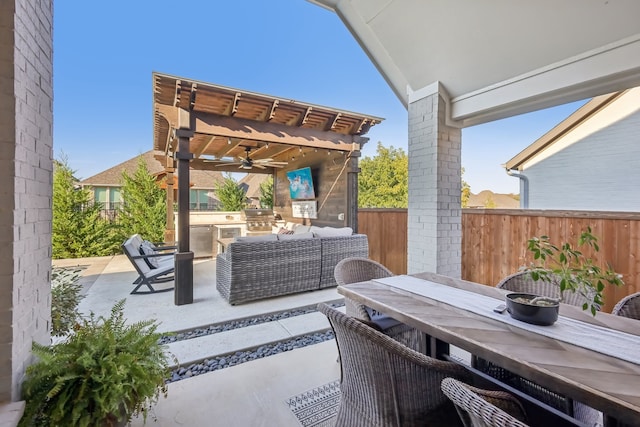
[(252, 270)]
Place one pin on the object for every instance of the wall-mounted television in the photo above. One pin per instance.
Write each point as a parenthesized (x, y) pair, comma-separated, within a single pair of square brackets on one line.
[(301, 184)]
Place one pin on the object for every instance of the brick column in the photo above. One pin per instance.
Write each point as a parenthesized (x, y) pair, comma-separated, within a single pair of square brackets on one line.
[(434, 214), (26, 147)]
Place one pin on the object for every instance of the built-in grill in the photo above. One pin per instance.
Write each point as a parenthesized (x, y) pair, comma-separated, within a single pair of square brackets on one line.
[(259, 221)]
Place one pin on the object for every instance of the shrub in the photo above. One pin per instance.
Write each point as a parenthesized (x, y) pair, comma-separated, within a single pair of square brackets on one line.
[(65, 297)]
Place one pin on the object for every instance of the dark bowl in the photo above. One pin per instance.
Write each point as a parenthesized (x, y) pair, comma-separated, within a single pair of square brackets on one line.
[(534, 314)]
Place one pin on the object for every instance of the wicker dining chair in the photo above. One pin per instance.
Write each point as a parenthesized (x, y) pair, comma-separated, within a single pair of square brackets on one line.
[(385, 383), (354, 270), (484, 408), (628, 306), (522, 282)]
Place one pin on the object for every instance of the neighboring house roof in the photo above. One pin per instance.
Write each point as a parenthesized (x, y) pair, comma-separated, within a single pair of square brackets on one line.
[(489, 199), (112, 177), (251, 184), (576, 119)]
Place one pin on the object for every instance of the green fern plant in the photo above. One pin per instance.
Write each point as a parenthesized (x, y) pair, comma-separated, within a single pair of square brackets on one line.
[(576, 272), (101, 375)]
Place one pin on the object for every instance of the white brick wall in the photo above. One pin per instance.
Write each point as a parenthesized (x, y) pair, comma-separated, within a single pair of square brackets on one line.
[(26, 146), (434, 214)]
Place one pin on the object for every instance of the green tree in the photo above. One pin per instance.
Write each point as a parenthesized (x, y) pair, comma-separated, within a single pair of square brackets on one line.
[(266, 193), (78, 230), (232, 197), (383, 180), (490, 203), (145, 208), (466, 192)]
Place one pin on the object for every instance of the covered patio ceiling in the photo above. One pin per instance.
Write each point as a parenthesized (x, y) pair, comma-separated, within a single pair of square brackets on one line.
[(496, 59), (226, 122)]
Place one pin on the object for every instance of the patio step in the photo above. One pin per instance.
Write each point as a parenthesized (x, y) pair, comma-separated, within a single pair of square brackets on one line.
[(209, 346)]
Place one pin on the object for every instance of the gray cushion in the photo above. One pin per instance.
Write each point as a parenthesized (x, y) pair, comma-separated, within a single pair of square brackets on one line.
[(331, 231), (259, 238), (294, 236), (301, 229)]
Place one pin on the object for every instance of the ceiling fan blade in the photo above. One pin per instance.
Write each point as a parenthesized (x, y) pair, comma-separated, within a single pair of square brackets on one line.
[(228, 164), (259, 166)]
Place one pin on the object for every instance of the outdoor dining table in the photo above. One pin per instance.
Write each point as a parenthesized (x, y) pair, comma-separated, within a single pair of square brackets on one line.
[(585, 373)]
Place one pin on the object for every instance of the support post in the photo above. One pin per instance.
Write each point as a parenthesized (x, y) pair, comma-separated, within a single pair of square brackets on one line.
[(352, 190), (184, 258), (170, 228)]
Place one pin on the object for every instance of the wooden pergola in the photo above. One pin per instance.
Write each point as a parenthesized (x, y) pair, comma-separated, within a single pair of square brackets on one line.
[(198, 124)]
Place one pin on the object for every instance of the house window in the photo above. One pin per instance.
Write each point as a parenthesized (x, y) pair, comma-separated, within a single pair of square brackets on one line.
[(199, 200), (108, 197), (100, 196), (115, 200)]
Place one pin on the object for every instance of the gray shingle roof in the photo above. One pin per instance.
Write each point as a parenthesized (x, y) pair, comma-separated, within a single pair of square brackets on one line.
[(112, 177)]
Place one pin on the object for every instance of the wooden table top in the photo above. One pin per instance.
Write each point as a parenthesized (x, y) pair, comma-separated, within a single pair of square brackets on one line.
[(603, 382)]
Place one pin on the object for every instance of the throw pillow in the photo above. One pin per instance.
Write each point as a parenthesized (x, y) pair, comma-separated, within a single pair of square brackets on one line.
[(285, 231), (148, 248)]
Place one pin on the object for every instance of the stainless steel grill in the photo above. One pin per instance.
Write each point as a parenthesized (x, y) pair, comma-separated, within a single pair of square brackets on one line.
[(259, 219)]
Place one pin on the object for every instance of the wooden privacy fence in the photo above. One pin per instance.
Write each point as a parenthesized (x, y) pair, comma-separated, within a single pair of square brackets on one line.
[(494, 241), (386, 230)]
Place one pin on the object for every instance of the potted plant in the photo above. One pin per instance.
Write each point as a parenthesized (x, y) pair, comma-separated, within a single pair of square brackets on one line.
[(101, 375), (571, 269)]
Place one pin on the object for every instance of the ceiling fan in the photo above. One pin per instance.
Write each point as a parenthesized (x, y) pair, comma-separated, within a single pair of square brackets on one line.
[(248, 163)]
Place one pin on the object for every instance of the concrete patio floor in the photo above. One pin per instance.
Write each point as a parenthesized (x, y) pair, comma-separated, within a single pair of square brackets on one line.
[(249, 394)]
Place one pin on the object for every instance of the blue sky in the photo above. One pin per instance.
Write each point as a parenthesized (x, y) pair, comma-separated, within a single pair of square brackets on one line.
[(105, 52)]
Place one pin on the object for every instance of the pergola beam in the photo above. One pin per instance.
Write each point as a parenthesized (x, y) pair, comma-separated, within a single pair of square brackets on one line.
[(236, 128), (206, 123)]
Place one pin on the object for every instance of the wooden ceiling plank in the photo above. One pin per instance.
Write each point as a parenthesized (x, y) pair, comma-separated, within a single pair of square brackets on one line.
[(203, 147), (228, 148)]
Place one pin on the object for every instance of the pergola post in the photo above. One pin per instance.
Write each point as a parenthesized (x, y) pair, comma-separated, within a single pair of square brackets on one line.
[(170, 228), (183, 293), (352, 190)]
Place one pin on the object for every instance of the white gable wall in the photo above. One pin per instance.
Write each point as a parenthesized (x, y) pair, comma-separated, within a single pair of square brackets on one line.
[(595, 166)]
